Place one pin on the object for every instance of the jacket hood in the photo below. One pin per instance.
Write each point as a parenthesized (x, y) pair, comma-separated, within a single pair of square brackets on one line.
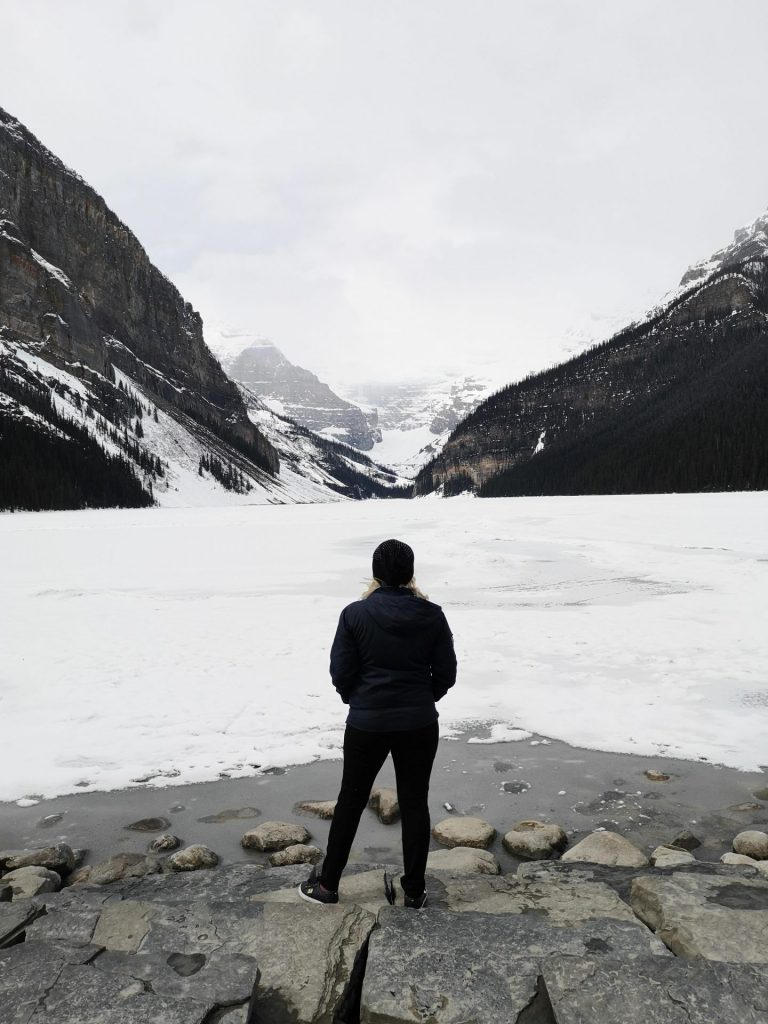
[(397, 610)]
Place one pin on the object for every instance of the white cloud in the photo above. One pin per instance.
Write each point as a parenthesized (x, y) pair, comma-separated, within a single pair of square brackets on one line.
[(403, 186)]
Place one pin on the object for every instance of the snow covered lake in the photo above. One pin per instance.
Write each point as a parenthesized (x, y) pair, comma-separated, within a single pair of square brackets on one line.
[(178, 644)]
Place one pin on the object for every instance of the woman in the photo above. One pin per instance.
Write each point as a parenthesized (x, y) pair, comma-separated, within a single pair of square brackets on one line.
[(392, 658)]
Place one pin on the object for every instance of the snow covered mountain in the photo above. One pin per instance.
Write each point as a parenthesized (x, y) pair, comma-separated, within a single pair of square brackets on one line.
[(674, 402), (416, 417), (108, 392), (290, 390)]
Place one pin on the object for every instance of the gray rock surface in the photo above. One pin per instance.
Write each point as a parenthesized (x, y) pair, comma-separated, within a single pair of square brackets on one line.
[(464, 831), (535, 840), (26, 882), (274, 835), (383, 800), (14, 917), (752, 843), (446, 968), (28, 970), (608, 848), (760, 866), (464, 859), (686, 840), (709, 916), (193, 858), (6, 893), (317, 808), (59, 858), (297, 854), (588, 990)]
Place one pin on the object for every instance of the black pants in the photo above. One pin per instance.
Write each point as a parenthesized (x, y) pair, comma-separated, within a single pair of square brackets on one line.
[(413, 752)]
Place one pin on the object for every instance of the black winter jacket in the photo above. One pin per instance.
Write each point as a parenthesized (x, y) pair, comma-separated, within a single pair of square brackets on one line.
[(391, 659)]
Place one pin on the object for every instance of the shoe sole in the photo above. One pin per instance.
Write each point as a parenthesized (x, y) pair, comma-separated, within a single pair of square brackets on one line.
[(317, 903)]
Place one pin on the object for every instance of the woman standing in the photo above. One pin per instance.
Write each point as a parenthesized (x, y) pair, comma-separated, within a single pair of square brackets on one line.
[(392, 658)]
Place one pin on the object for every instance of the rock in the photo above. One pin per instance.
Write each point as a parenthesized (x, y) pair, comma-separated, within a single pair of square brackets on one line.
[(80, 875), (297, 854), (745, 808), (473, 832), (231, 814), (445, 967), (761, 866), (6, 893), (274, 835), (59, 858), (149, 825), (709, 916), (164, 843), (464, 859), (384, 802), (79, 855), (192, 858), (671, 857), (686, 840), (317, 808), (606, 848), (752, 844), (213, 978), (14, 918), (28, 970), (565, 902), (123, 925), (652, 991), (26, 882), (123, 865), (654, 775), (535, 840)]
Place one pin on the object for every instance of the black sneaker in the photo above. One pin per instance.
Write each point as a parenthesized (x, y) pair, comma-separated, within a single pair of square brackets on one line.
[(416, 902), (313, 891)]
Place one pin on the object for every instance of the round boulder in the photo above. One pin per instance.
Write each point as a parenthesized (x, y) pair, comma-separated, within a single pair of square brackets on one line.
[(192, 858), (535, 840), (79, 875), (464, 860), (149, 825), (472, 832), (607, 848), (297, 854), (752, 844), (739, 858), (30, 881), (164, 843), (274, 835), (686, 840), (384, 802)]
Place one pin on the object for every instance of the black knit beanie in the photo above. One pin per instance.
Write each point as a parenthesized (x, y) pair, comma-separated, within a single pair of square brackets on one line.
[(393, 563)]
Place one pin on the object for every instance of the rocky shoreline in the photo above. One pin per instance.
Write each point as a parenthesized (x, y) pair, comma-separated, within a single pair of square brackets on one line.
[(638, 894)]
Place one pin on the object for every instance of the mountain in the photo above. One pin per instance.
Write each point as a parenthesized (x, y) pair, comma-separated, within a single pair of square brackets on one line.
[(108, 392), (674, 402), (292, 391), (416, 417)]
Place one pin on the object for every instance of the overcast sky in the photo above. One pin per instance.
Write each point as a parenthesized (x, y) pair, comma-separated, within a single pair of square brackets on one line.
[(388, 189)]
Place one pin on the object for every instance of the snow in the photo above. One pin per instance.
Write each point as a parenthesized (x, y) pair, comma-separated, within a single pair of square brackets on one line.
[(51, 269), (196, 640)]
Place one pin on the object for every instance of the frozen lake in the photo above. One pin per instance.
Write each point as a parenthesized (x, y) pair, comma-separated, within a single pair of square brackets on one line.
[(179, 644)]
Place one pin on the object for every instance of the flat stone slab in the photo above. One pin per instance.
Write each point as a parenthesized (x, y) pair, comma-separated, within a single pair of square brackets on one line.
[(588, 990), (562, 901), (234, 883), (14, 917), (445, 968), (709, 916), (211, 978), (83, 995), (28, 970)]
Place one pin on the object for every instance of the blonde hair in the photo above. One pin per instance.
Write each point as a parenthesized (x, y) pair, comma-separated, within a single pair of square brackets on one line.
[(374, 585)]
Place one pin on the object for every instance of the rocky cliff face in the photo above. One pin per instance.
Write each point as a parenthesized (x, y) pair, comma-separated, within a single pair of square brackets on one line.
[(692, 352), (297, 393), (78, 289)]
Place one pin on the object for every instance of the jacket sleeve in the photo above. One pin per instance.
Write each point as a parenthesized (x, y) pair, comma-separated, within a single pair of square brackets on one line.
[(443, 662), (345, 660)]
